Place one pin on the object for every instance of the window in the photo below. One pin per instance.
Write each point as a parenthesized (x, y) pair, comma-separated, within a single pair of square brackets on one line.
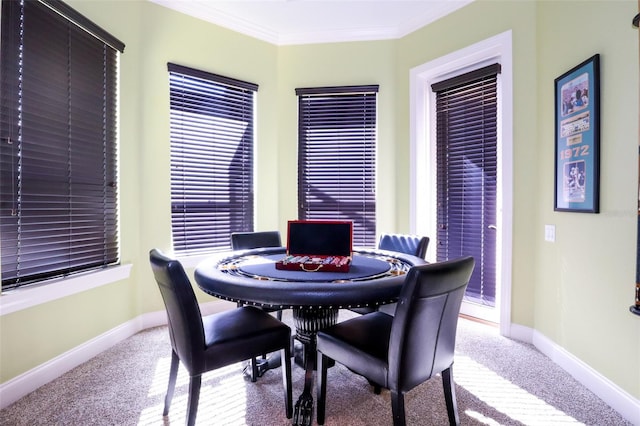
[(212, 136), (423, 189), (58, 134), (467, 129), (337, 157)]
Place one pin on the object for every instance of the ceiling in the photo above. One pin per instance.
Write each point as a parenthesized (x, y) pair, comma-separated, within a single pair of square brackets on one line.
[(283, 22)]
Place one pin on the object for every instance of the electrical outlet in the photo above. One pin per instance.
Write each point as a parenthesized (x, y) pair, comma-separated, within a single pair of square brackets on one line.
[(550, 233)]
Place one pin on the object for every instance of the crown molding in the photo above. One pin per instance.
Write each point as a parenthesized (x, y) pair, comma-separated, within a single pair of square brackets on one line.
[(284, 37)]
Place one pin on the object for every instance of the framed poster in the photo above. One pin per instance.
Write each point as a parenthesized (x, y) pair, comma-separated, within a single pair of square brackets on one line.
[(577, 138)]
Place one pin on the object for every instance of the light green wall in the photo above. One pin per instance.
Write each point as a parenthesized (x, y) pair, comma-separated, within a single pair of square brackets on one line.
[(153, 36), (33, 336), (337, 64), (584, 281), (576, 291), (455, 32)]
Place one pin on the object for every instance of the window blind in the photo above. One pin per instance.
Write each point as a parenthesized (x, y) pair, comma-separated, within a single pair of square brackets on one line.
[(466, 127), (212, 137), (337, 135), (58, 156)]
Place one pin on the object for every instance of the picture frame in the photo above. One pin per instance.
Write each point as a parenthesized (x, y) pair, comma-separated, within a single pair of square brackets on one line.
[(577, 138)]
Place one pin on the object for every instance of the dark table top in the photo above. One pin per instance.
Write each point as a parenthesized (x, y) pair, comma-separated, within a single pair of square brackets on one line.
[(250, 277)]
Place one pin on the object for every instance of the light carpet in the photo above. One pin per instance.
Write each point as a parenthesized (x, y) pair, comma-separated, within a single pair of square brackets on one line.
[(498, 382)]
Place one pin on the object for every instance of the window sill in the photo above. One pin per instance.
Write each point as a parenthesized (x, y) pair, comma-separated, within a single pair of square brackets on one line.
[(22, 298), (192, 261)]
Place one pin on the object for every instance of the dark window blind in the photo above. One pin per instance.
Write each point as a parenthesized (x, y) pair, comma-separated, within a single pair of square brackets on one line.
[(212, 136), (337, 157), (58, 156), (466, 127)]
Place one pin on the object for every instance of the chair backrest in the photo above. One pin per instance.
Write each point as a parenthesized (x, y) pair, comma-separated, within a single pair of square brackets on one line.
[(183, 313), (409, 244), (423, 333), (251, 240)]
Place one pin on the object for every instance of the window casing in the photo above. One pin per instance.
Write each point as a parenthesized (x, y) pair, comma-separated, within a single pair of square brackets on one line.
[(337, 135), (58, 143), (212, 152)]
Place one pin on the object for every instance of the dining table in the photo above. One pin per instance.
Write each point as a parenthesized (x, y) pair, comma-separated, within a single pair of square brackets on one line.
[(250, 277)]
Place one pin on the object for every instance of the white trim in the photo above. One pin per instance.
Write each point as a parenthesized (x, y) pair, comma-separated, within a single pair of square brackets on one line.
[(26, 383), (422, 131), (605, 389), (193, 260), (16, 388), (26, 297), (283, 36)]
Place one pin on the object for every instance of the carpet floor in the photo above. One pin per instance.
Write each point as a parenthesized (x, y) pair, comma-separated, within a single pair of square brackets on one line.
[(498, 382)]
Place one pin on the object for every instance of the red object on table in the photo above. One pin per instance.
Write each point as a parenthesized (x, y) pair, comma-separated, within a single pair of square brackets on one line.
[(318, 246)]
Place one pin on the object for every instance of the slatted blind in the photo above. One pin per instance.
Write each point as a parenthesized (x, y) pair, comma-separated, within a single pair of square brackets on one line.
[(337, 136), (466, 126), (58, 154), (212, 136)]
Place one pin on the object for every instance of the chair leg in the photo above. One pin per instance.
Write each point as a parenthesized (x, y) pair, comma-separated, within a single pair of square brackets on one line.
[(194, 396), (252, 363), (173, 374), (254, 369), (376, 387), (285, 354), (450, 396), (397, 408), (321, 389)]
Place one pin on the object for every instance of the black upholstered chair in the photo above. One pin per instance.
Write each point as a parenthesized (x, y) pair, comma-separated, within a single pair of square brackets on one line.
[(250, 240), (409, 244), (402, 351), (206, 343), (414, 245)]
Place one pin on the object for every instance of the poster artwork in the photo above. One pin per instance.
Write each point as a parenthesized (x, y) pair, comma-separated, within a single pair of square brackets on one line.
[(577, 117), (575, 98)]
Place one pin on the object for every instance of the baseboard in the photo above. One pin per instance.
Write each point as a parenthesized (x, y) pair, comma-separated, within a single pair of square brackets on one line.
[(26, 383), (606, 390), (14, 389)]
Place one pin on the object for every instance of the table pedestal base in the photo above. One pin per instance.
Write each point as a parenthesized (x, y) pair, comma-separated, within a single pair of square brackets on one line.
[(308, 322)]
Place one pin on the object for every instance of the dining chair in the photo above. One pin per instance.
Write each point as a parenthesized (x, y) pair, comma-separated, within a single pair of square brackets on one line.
[(402, 351), (206, 343), (252, 240), (414, 245)]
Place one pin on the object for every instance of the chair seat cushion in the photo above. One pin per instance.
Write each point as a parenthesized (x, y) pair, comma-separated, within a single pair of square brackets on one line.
[(242, 333), (362, 343)]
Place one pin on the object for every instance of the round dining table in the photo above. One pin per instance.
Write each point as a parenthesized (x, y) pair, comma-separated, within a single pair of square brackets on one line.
[(250, 277)]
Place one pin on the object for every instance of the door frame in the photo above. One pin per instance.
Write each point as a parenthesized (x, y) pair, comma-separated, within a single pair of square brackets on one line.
[(423, 144)]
